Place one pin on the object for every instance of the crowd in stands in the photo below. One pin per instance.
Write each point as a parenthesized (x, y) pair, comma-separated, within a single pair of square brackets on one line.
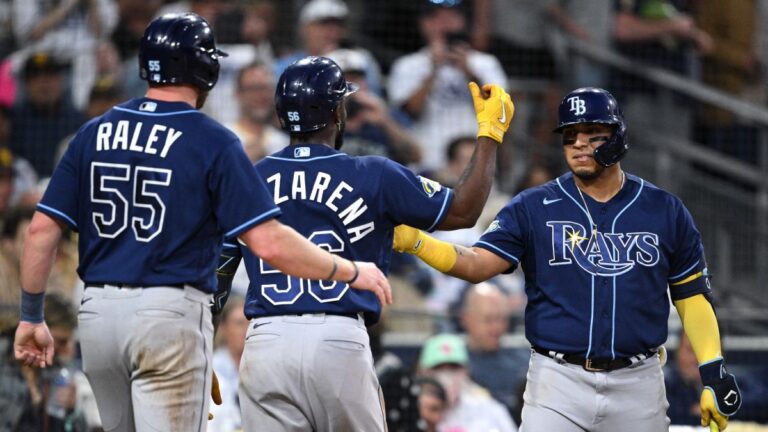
[(64, 62)]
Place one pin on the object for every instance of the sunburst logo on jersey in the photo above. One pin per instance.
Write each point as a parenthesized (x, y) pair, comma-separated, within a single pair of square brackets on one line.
[(430, 187)]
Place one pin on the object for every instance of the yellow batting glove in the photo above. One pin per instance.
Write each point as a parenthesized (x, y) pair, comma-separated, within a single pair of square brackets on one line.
[(436, 253), (709, 414), (406, 239), (494, 113)]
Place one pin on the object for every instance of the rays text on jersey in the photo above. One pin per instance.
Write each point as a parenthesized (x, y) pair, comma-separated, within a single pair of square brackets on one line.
[(295, 187), (131, 136), (601, 254)]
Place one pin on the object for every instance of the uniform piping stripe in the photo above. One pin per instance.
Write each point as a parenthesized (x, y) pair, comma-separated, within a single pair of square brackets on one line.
[(613, 230), (59, 213), (591, 317), (586, 213), (229, 245), (508, 255), (442, 210), (305, 160), (151, 114), (686, 270), (252, 221)]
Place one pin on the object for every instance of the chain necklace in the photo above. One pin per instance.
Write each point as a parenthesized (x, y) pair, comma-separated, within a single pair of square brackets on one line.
[(586, 207)]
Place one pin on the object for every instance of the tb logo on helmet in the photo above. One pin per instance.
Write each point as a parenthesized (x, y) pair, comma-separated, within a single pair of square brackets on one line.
[(578, 105)]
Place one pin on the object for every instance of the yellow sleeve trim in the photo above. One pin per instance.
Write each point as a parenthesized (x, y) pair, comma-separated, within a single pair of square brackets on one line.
[(690, 278)]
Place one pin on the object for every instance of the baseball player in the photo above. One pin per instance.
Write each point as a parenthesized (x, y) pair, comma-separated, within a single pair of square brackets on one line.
[(602, 251), (152, 187), (307, 362)]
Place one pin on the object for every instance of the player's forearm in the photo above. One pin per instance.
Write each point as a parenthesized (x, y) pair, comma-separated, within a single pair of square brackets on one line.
[(43, 236), (474, 186), (700, 324), (629, 28), (291, 253)]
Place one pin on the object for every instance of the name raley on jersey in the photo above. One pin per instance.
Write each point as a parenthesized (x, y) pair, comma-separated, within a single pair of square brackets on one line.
[(297, 185), (110, 137)]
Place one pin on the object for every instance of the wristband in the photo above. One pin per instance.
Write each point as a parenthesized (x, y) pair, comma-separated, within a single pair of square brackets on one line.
[(357, 273), (32, 307), (333, 270)]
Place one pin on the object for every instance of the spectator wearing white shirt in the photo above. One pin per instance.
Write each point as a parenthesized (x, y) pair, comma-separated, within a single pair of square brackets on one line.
[(431, 84)]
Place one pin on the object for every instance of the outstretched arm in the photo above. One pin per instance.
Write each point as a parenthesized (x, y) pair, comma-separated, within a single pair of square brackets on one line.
[(494, 110), (291, 253), (471, 264)]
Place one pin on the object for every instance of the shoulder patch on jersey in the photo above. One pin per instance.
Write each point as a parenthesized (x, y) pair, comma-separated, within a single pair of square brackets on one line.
[(301, 152), (430, 187), (148, 106), (494, 226)]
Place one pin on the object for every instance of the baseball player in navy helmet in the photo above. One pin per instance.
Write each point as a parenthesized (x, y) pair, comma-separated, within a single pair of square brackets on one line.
[(307, 363), (153, 186), (602, 251)]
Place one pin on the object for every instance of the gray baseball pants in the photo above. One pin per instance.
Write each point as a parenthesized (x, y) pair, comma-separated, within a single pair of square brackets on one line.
[(566, 398), (147, 354), (310, 372)]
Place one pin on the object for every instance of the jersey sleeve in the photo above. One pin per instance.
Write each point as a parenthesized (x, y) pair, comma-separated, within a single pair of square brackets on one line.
[(61, 197), (413, 200), (688, 274), (240, 197), (506, 235)]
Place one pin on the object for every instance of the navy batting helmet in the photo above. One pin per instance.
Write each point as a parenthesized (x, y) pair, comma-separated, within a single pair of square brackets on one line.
[(595, 105), (308, 92), (179, 49)]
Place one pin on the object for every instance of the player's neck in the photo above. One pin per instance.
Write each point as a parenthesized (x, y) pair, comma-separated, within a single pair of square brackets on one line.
[(604, 187), (175, 93)]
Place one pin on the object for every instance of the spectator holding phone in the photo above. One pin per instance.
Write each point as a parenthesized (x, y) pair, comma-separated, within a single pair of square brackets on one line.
[(431, 84)]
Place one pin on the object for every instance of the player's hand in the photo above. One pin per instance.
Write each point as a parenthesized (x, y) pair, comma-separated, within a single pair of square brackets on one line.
[(494, 110), (372, 279), (215, 392), (721, 397), (407, 239), (33, 344)]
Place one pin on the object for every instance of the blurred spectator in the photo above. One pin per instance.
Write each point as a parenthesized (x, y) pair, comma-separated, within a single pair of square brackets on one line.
[(67, 29), (10, 249), (516, 32), (208, 9), (458, 153), (134, 17), (256, 98), (397, 384), (226, 363), (683, 384), (6, 180), (485, 317), (40, 121), (7, 42), (731, 66), (24, 176), (104, 95), (590, 21), (55, 399), (656, 33), (70, 404), (470, 407), (431, 84), (389, 29), (322, 29), (432, 403), (371, 128)]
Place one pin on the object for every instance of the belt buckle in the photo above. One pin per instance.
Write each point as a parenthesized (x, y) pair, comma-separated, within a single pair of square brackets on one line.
[(588, 366)]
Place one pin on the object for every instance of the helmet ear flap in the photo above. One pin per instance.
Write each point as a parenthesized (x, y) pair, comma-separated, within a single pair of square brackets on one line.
[(615, 149)]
